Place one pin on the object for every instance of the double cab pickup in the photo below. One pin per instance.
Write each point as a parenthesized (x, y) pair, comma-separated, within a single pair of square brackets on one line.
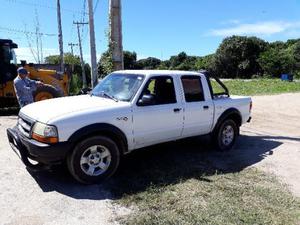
[(127, 110)]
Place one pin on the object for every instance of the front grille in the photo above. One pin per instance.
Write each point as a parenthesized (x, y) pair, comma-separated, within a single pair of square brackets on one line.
[(25, 125)]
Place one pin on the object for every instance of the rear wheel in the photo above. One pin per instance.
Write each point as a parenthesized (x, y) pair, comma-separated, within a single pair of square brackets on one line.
[(94, 160), (225, 136), (45, 92)]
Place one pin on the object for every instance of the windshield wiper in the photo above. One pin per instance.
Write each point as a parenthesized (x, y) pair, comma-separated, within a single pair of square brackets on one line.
[(109, 96)]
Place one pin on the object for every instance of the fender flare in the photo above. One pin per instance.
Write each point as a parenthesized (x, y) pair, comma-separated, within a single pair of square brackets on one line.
[(229, 113), (104, 129)]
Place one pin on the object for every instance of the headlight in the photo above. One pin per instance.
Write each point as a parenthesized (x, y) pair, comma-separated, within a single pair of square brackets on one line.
[(44, 133)]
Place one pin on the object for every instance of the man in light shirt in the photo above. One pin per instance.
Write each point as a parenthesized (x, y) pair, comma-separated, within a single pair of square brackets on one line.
[(24, 87)]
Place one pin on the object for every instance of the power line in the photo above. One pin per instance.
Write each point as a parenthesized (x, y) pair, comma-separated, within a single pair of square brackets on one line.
[(26, 32), (83, 18), (43, 6), (96, 5), (81, 55), (72, 45), (83, 13)]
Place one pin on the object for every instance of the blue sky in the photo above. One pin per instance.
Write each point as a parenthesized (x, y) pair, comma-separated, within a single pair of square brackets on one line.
[(158, 28)]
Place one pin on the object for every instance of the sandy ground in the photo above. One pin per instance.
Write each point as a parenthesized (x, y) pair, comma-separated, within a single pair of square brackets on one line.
[(270, 142), (54, 198), (277, 119)]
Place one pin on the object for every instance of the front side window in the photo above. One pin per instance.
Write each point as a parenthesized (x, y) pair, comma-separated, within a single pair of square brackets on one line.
[(120, 87), (192, 86), (160, 90)]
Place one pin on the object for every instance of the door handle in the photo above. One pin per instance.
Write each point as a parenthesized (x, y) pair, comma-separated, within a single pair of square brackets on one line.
[(206, 107), (177, 110)]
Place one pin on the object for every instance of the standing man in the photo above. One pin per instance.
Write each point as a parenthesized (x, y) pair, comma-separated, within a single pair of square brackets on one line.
[(24, 87)]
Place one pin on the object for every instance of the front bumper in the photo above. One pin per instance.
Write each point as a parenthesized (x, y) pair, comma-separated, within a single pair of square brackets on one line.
[(40, 152)]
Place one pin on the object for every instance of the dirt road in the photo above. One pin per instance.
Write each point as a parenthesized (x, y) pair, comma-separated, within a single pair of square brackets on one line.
[(47, 198), (277, 119), (270, 142)]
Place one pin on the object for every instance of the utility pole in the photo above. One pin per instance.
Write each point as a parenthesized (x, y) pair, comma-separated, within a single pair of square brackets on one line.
[(81, 56), (72, 45), (60, 38), (72, 52), (37, 36), (92, 45), (116, 34)]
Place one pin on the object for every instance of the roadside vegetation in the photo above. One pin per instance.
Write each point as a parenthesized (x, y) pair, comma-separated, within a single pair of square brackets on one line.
[(260, 86), (247, 197), (237, 57), (182, 183)]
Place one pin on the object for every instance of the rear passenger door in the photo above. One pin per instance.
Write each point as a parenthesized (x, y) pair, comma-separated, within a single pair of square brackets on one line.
[(198, 114), (161, 119)]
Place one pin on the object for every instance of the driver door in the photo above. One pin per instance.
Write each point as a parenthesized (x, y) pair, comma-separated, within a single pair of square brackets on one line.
[(161, 119)]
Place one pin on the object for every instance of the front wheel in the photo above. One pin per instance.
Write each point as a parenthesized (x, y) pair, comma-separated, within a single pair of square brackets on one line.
[(226, 135), (94, 159)]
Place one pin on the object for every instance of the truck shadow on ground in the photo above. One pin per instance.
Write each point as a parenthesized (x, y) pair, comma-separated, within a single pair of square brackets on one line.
[(162, 165)]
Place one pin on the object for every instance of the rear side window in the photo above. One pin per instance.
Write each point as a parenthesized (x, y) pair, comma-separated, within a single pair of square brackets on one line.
[(192, 87)]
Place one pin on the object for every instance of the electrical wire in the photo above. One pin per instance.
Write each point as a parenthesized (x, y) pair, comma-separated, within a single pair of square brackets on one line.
[(25, 32), (44, 6), (96, 5)]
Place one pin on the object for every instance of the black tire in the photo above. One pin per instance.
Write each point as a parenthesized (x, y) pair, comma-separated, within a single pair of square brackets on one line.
[(74, 164), (48, 89), (219, 142)]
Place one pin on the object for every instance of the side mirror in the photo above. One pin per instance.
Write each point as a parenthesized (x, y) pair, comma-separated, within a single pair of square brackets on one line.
[(146, 100)]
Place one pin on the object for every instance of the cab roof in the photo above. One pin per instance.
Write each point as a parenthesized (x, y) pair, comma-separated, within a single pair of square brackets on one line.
[(8, 42), (158, 72)]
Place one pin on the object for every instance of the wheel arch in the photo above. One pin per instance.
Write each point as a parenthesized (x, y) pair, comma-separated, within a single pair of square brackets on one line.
[(103, 129), (231, 113)]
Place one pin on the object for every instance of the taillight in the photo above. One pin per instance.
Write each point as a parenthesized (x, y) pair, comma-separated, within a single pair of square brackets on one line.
[(250, 107)]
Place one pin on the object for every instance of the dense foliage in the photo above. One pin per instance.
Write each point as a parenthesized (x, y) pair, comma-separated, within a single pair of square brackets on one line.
[(236, 57), (74, 63)]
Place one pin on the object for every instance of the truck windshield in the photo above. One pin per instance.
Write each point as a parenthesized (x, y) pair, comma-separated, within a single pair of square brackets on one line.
[(121, 87)]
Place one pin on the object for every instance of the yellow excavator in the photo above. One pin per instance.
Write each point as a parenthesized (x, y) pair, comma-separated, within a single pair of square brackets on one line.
[(56, 83)]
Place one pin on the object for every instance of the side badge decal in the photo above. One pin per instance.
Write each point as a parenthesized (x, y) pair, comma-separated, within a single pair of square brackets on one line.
[(122, 118)]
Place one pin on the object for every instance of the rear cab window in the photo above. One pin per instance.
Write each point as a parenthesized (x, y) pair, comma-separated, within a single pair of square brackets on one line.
[(192, 88)]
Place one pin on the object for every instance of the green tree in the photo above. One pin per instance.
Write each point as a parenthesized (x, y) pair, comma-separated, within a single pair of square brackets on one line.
[(296, 54), (183, 62), (237, 57), (129, 60), (205, 62), (277, 59), (69, 59), (105, 64), (149, 63)]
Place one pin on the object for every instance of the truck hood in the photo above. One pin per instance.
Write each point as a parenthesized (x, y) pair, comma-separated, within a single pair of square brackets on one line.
[(46, 110)]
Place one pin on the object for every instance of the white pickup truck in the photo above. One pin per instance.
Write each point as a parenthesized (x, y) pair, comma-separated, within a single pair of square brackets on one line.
[(127, 110)]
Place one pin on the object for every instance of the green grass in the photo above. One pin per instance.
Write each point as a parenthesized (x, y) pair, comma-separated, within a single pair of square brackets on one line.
[(187, 183), (261, 86), (247, 197)]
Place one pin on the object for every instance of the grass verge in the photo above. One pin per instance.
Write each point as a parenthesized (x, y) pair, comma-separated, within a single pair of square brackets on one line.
[(246, 197), (261, 86)]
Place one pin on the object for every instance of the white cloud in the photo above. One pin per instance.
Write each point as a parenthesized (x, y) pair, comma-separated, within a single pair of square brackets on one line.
[(233, 21), (260, 29)]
